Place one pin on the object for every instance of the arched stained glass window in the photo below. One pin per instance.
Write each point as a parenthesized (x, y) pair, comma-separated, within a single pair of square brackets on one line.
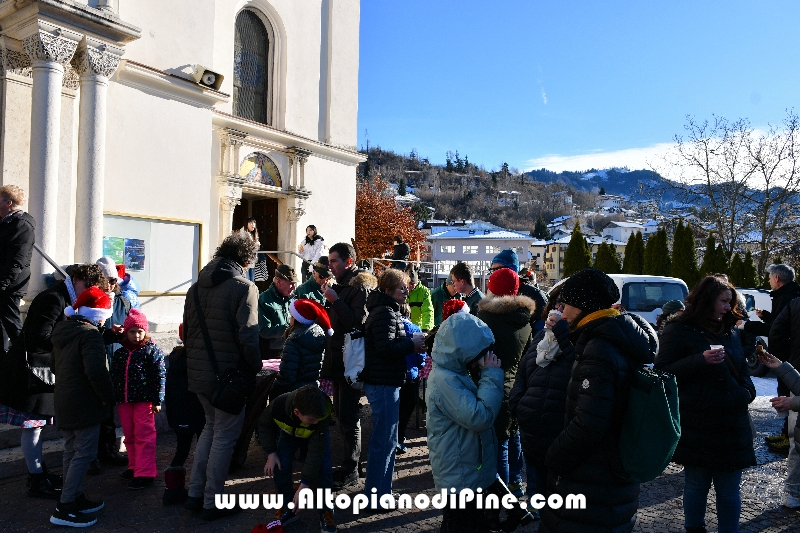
[(259, 168), (250, 68)]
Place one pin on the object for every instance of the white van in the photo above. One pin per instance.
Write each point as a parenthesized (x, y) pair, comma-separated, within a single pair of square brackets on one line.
[(644, 295)]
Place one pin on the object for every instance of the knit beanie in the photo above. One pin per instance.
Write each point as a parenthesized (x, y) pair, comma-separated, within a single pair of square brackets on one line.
[(590, 290), (93, 304), (135, 319), (308, 311), (671, 307), (108, 267), (453, 306), (504, 282), (507, 258)]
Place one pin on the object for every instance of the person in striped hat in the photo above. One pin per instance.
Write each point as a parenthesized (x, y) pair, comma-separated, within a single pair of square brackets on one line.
[(304, 346)]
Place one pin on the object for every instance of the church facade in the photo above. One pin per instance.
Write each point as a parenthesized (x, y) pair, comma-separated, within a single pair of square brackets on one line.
[(149, 130)]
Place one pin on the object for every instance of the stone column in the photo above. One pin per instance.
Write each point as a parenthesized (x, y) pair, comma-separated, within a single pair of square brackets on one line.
[(229, 197), (50, 48), (95, 63)]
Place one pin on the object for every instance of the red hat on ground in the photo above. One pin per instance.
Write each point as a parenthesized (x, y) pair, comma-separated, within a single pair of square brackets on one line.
[(308, 311), (504, 282), (93, 304), (451, 307), (135, 319), (120, 271)]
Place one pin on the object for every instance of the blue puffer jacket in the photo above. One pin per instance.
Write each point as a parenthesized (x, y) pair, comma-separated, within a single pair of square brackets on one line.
[(461, 438), (130, 290), (414, 361)]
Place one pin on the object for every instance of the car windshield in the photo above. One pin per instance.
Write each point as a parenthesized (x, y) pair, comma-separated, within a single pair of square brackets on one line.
[(647, 296)]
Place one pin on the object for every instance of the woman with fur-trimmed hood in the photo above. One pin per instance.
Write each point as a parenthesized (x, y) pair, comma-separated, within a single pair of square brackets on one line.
[(509, 317)]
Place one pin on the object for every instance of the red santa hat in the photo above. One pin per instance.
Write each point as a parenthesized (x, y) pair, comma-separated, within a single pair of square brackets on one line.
[(120, 271), (451, 307), (308, 311), (93, 304)]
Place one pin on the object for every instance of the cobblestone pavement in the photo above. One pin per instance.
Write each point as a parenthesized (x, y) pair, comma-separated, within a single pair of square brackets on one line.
[(141, 511)]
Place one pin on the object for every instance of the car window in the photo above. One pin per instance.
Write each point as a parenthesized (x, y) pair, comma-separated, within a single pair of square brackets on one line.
[(648, 296)]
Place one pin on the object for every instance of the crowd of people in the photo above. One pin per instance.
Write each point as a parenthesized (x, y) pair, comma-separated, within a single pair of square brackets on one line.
[(518, 381)]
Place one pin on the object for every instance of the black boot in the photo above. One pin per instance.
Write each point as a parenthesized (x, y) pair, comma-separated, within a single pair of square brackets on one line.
[(56, 480), (41, 487)]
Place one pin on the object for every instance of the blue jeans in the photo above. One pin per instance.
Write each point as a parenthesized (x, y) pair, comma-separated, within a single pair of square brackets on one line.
[(385, 404), (509, 460), (697, 482), (537, 480), (287, 446)]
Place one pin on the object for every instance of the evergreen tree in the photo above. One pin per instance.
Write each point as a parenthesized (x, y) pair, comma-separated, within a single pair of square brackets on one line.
[(639, 257), (540, 230), (709, 258), (650, 256), (602, 191), (684, 260), (749, 272), (736, 271), (578, 254), (721, 265), (401, 188), (661, 254), (607, 259), (630, 252)]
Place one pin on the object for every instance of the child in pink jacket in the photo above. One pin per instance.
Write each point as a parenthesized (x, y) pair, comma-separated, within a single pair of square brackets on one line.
[(137, 370)]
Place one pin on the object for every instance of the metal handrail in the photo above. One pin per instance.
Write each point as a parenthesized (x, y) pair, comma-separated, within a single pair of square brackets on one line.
[(269, 253)]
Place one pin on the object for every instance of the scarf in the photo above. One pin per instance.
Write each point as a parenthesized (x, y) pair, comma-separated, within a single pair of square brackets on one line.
[(602, 313)]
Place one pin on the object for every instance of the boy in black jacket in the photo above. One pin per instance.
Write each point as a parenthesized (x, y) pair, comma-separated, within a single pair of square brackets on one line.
[(298, 419)]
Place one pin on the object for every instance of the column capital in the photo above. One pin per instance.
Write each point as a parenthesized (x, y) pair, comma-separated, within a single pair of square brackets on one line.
[(301, 154), (293, 214), (44, 41), (96, 57)]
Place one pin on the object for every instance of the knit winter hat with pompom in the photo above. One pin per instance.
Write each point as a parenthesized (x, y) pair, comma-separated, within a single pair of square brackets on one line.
[(136, 319)]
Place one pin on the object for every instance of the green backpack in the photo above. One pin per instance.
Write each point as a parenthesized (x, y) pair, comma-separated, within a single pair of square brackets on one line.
[(652, 427)]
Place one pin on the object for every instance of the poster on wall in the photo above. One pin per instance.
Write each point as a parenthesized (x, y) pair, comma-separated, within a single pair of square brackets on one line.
[(114, 247), (134, 254)]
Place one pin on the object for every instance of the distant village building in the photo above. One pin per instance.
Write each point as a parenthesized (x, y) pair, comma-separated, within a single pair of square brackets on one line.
[(621, 231), (608, 202), (555, 248)]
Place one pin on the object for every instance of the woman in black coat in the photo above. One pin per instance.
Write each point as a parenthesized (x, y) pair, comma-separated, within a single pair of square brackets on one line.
[(704, 353), (26, 391), (585, 458), (385, 348), (539, 396)]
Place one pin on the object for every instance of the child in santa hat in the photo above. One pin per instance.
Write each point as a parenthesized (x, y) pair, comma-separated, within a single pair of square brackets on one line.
[(83, 395), (139, 375), (303, 350)]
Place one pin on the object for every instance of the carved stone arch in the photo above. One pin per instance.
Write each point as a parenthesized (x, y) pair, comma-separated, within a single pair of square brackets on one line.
[(276, 59)]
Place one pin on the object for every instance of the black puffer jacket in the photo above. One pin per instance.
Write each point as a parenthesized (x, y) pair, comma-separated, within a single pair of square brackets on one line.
[(230, 306), (715, 428), (385, 343), (538, 399), (27, 380), (584, 459), (539, 298), (784, 335), (346, 314), (780, 299), (301, 359), (509, 318), (16, 247)]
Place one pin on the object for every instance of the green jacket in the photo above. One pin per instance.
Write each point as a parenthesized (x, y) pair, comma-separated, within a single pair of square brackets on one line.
[(310, 289), (279, 416), (421, 307), (439, 296), (461, 440), (83, 391), (273, 316), (473, 299)]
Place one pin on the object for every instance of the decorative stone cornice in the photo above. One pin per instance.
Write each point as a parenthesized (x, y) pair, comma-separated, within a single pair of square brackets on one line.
[(51, 43), (95, 57), (12, 61)]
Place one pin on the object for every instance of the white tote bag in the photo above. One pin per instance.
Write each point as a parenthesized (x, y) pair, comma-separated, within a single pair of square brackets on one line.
[(354, 358)]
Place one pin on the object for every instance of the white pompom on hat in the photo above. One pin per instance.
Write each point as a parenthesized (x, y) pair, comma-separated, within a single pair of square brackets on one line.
[(308, 311), (93, 304)]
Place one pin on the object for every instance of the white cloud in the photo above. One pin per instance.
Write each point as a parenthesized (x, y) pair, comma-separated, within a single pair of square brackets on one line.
[(544, 97), (633, 158)]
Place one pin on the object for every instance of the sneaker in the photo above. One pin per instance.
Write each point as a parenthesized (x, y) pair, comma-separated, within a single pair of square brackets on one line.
[(212, 514), (781, 445), (286, 516), (790, 502), (400, 448), (193, 504), (342, 480), (67, 514), (326, 523), (85, 505), (139, 483), (127, 474)]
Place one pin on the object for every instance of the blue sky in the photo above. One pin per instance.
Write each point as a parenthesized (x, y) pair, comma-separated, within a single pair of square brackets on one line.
[(568, 85)]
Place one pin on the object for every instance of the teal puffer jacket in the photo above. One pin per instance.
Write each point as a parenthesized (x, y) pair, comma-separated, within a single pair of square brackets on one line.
[(461, 438)]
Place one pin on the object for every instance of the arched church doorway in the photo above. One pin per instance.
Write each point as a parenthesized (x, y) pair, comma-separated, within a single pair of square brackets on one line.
[(265, 211)]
